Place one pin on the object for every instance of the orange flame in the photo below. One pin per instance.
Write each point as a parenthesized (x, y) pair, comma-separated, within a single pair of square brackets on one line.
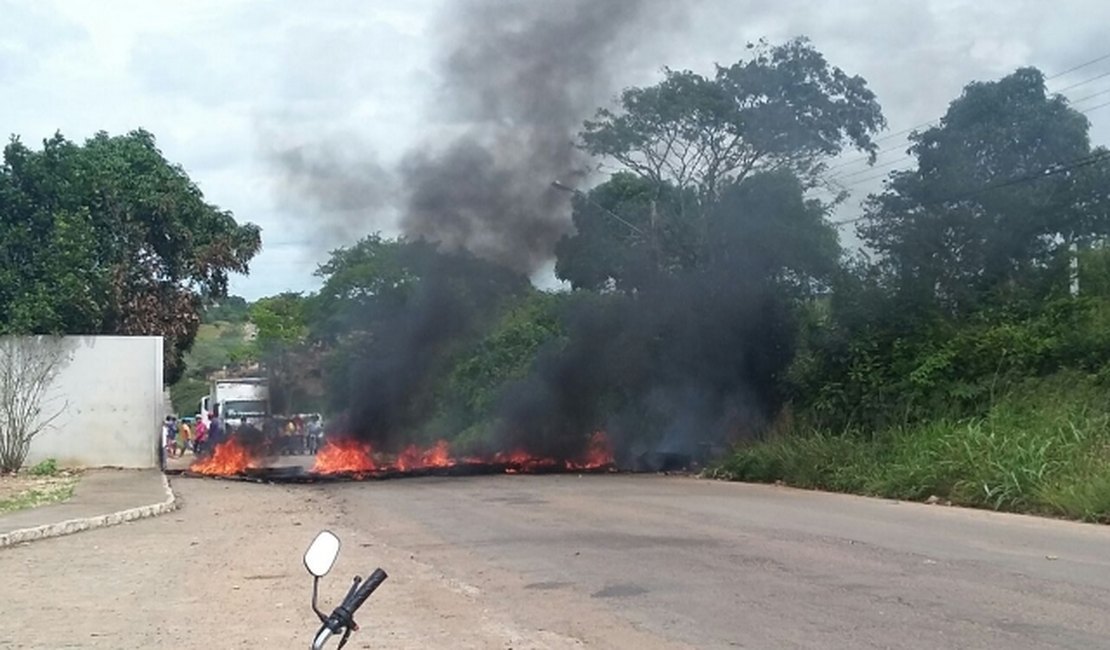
[(599, 453), (344, 456), (228, 457), (412, 457), (349, 456)]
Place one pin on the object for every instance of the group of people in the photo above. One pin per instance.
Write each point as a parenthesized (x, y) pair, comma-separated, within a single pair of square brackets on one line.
[(301, 434), (197, 434), (200, 434)]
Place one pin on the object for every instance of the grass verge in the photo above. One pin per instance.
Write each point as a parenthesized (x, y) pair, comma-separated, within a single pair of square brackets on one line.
[(1044, 449), (22, 491)]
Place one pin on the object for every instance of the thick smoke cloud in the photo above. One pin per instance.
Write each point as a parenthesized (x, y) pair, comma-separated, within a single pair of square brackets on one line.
[(522, 76), (687, 364), (349, 189)]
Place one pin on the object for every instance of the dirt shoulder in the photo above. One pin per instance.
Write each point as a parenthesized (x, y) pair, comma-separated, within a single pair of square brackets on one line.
[(225, 572)]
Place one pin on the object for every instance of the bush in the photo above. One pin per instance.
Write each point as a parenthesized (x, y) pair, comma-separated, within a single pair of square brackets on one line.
[(1041, 448), (48, 467)]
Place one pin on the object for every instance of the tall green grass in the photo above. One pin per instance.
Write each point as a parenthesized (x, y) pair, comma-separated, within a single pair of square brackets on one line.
[(1042, 448)]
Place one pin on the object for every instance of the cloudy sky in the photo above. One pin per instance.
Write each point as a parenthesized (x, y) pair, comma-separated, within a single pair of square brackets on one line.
[(224, 84)]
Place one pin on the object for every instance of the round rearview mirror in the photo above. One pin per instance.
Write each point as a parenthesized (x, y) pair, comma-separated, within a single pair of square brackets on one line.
[(321, 554)]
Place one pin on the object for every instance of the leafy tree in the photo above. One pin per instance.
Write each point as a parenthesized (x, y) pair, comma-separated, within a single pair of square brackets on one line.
[(110, 238), (232, 309), (765, 228), (280, 320), (784, 108), (627, 231), (396, 314), (1004, 184), (281, 329), (363, 282), (761, 227)]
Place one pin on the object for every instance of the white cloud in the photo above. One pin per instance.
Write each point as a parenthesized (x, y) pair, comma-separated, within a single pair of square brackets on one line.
[(222, 83)]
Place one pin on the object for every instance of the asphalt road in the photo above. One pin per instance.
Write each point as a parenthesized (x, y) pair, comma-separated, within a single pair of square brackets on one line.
[(645, 561)]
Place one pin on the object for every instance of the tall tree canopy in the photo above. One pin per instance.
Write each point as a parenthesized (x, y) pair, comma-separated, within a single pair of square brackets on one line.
[(108, 237), (761, 228), (784, 108), (1003, 184)]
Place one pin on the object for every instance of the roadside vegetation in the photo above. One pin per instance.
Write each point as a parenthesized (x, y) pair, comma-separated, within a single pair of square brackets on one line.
[(40, 485)]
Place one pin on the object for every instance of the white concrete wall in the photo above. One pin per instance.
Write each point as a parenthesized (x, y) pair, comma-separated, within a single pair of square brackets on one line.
[(113, 397)]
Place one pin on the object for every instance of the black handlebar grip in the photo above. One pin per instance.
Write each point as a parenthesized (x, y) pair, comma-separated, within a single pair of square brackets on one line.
[(367, 587)]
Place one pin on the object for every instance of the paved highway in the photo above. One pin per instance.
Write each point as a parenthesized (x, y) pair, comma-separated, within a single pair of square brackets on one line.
[(565, 562), (638, 561)]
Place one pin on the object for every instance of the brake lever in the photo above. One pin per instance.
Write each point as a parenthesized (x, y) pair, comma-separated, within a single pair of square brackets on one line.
[(343, 641)]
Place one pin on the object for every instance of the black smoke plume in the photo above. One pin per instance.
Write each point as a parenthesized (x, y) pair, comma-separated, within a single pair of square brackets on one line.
[(388, 390), (682, 366), (521, 76)]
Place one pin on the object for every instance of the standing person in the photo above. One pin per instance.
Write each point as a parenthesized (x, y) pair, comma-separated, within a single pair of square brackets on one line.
[(301, 445), (215, 430), (287, 434), (315, 431), (200, 435), (184, 435), (169, 436)]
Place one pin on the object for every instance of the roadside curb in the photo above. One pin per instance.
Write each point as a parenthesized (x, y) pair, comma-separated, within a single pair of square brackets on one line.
[(71, 526)]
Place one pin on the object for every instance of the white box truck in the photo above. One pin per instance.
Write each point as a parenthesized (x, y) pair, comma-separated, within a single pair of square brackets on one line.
[(244, 398)]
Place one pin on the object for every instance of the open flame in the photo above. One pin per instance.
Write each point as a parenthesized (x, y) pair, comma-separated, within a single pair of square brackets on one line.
[(229, 457), (599, 453), (347, 456), (438, 455), (343, 457)]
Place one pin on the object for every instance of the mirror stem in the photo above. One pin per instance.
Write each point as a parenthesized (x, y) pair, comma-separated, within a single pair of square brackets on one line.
[(315, 590)]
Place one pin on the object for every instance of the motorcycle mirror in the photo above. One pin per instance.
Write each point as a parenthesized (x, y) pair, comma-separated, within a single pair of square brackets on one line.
[(321, 554)]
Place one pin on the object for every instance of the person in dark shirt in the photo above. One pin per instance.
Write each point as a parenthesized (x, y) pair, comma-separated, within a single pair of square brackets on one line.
[(215, 431)]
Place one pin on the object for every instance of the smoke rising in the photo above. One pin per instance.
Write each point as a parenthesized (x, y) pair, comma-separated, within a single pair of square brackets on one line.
[(688, 363), (522, 76), (390, 385), (688, 354), (345, 181)]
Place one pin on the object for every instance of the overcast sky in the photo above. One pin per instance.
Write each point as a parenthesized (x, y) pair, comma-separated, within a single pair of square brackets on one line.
[(222, 83)]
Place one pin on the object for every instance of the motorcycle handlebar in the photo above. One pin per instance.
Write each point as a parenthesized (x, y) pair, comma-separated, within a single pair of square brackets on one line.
[(355, 599)]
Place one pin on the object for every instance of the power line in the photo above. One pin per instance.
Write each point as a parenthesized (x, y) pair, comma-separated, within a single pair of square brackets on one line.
[(1052, 170), (935, 121), (863, 181), (1079, 101), (841, 177), (1078, 67), (1095, 108), (1082, 83)]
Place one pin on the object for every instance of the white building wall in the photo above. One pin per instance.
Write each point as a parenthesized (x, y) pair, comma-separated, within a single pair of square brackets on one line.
[(113, 402)]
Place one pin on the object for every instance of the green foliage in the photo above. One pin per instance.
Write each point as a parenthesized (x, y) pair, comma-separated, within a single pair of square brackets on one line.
[(874, 377), (41, 491), (761, 229), (281, 321), (218, 346), (979, 222), (505, 354), (281, 324), (186, 394), (363, 283), (48, 467), (1039, 448), (785, 108), (232, 309), (110, 238)]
